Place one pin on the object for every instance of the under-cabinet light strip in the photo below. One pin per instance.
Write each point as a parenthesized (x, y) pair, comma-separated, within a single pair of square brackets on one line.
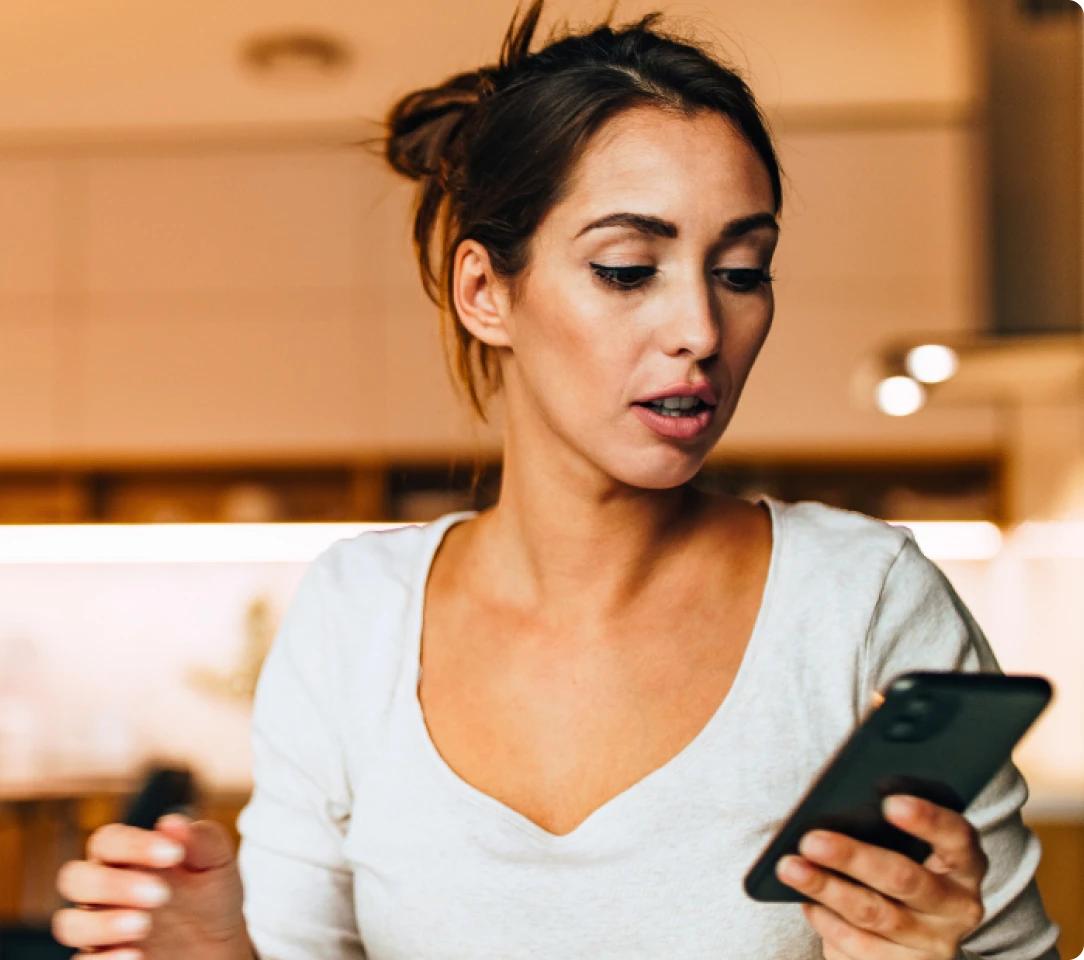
[(174, 542), (302, 542)]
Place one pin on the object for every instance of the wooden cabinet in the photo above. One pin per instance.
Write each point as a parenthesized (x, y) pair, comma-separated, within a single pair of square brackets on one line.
[(28, 283), (228, 305), (1061, 881), (28, 376), (239, 374), (232, 301)]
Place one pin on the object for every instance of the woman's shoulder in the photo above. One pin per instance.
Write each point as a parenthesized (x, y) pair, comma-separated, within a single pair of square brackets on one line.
[(827, 537), (863, 591), (839, 527), (838, 556), (358, 605), (383, 556)]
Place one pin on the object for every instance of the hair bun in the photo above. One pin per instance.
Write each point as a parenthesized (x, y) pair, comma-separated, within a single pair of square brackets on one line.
[(423, 126)]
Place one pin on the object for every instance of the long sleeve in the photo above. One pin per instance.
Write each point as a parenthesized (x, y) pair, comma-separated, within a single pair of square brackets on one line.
[(298, 889), (920, 623)]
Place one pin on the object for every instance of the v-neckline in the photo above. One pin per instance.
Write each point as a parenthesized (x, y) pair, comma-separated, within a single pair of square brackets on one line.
[(687, 755)]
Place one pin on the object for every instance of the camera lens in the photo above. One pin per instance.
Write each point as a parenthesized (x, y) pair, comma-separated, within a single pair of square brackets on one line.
[(901, 729), (919, 707)]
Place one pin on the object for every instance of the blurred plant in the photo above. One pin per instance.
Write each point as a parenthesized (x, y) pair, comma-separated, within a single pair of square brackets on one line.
[(239, 684)]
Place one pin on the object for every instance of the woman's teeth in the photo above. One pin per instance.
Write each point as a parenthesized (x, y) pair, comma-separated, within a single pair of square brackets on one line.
[(676, 406)]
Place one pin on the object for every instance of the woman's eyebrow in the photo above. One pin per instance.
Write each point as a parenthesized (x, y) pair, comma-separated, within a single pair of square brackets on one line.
[(658, 227), (640, 222)]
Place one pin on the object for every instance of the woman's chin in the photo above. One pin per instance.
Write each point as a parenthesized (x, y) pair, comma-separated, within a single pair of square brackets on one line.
[(659, 470)]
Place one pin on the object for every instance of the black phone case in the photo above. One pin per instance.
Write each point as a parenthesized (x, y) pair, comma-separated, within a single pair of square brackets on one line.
[(939, 736), (165, 790)]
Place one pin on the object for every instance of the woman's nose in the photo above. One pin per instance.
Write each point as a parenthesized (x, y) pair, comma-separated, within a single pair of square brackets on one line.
[(694, 326)]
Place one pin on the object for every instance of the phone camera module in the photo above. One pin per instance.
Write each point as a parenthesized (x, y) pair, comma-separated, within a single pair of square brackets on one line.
[(920, 707), (918, 717), (902, 729)]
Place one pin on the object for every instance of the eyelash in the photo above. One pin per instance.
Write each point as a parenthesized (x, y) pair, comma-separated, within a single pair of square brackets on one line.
[(611, 276)]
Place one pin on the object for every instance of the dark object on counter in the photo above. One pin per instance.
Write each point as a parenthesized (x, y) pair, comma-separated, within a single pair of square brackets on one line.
[(165, 790), (23, 942)]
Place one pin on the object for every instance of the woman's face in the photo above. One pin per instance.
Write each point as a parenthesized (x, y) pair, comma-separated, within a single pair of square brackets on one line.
[(646, 298)]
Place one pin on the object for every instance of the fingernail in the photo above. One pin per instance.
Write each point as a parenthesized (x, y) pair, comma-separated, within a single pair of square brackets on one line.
[(166, 853), (152, 894), (792, 868), (177, 818), (898, 806), (134, 923), (815, 844)]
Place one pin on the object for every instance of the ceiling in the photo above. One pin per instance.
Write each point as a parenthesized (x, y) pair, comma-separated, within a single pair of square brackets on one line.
[(106, 69)]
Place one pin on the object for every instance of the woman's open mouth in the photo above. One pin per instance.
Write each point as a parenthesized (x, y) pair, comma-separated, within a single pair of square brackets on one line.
[(676, 406), (677, 418)]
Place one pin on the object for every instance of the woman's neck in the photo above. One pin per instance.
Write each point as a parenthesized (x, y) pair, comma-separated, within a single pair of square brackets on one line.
[(565, 537)]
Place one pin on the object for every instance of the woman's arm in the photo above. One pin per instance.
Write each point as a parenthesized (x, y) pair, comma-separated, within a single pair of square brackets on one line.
[(975, 896), (921, 623), (298, 887)]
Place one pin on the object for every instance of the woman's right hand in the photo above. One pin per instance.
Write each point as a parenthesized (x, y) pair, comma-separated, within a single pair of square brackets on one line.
[(189, 872)]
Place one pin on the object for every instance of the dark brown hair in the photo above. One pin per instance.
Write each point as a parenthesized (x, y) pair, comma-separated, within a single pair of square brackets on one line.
[(492, 149)]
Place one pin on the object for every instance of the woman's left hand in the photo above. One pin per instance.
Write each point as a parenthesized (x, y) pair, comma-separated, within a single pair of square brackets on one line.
[(898, 909)]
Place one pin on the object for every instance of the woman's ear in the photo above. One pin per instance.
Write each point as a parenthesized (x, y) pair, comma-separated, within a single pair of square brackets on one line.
[(481, 299)]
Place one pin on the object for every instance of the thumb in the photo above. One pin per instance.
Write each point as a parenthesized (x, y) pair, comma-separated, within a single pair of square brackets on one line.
[(207, 843)]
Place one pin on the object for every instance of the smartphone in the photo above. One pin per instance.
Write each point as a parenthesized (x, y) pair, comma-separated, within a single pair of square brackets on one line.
[(164, 790), (938, 736)]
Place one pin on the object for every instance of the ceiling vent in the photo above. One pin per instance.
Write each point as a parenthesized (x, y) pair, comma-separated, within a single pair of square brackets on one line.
[(296, 55)]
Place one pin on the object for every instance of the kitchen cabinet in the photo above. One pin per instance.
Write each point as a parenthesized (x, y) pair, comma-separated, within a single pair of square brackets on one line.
[(28, 376), (28, 310), (235, 301), (243, 374)]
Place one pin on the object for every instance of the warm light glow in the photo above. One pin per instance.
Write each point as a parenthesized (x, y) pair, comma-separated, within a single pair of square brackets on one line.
[(900, 396), (932, 363), (1062, 540), (302, 542), (957, 541), (174, 542)]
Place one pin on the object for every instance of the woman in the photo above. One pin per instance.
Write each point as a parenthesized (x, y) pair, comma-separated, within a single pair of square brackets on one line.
[(564, 727)]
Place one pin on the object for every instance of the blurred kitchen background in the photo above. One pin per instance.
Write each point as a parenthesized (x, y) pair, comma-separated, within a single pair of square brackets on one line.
[(215, 356)]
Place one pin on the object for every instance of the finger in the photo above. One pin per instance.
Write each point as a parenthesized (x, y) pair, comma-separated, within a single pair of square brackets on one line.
[(173, 823), (94, 883), (76, 927), (885, 871), (859, 906), (120, 844), (954, 840), (123, 953), (850, 941), (207, 843)]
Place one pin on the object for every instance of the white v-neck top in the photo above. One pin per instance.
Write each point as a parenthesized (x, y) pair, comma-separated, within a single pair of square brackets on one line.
[(360, 841)]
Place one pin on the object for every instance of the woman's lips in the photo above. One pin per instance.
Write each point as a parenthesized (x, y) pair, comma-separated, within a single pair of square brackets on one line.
[(675, 428)]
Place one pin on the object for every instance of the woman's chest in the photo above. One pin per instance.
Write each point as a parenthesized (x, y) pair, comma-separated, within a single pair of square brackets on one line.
[(556, 725), (442, 870)]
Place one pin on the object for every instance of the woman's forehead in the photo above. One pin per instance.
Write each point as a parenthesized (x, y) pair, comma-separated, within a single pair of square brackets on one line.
[(668, 164)]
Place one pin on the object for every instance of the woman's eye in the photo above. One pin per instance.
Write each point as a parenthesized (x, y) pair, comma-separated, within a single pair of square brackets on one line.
[(744, 280), (627, 278)]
